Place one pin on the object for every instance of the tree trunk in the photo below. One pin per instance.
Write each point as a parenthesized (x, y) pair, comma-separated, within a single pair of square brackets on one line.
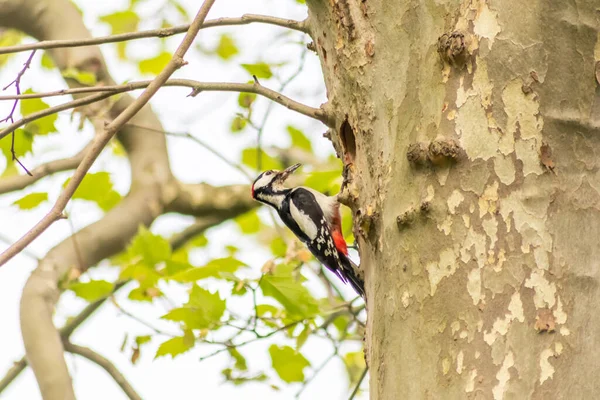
[(480, 248)]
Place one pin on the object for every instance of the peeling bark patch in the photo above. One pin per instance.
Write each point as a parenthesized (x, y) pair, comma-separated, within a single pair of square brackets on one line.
[(546, 369), (459, 362), (505, 169), (559, 315), (405, 299), (454, 201), (524, 122), (503, 376), (442, 269), (502, 325), (544, 321), (546, 156), (486, 24), (476, 138), (544, 291), (470, 386), (474, 285)]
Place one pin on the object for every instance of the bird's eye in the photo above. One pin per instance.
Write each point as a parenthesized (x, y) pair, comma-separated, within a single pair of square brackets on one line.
[(268, 172)]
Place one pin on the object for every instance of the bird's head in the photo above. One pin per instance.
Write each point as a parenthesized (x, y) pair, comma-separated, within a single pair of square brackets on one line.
[(269, 184)]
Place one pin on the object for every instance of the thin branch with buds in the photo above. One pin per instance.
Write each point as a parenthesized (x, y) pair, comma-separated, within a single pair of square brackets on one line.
[(10, 117), (105, 364), (103, 92), (246, 19)]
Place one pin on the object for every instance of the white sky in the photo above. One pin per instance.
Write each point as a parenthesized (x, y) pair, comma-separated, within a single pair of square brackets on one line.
[(208, 116)]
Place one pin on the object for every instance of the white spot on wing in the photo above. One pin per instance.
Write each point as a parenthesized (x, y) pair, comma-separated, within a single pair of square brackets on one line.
[(304, 222)]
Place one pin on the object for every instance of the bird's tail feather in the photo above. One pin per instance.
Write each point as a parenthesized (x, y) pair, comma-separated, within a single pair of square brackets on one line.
[(354, 276)]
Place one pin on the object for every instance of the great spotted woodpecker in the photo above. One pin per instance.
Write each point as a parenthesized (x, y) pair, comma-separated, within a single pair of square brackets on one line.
[(314, 218)]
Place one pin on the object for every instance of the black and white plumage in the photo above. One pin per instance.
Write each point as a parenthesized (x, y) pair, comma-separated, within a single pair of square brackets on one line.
[(314, 218)]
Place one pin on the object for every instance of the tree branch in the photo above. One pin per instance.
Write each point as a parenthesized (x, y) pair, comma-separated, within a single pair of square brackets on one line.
[(202, 200), (53, 110), (196, 86), (19, 182), (101, 140), (245, 19), (109, 367)]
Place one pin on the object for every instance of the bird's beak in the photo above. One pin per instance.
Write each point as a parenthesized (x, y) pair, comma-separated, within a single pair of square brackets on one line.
[(283, 175)]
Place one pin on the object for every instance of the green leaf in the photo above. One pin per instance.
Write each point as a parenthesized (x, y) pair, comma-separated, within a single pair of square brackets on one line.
[(156, 64), (140, 340), (288, 291), (226, 47), (240, 361), (41, 126), (23, 145), (203, 310), (122, 21), (288, 363), (261, 70), (245, 100), (249, 223), (83, 77), (146, 275), (303, 336), (152, 248), (9, 37), (238, 124), (176, 346), (213, 269), (324, 181), (92, 290), (97, 187), (47, 62), (173, 267), (249, 158), (32, 200), (147, 294), (355, 365), (278, 247), (299, 139)]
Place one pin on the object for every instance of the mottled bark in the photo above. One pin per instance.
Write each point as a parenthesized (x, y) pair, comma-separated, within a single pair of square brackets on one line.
[(486, 286)]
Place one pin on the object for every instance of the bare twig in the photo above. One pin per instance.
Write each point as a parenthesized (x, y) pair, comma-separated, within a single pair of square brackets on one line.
[(316, 373), (257, 338), (108, 366), (196, 86), (357, 387), (110, 130), (161, 33), (17, 83), (200, 143), (140, 320), (53, 110), (260, 129), (12, 373), (18, 182)]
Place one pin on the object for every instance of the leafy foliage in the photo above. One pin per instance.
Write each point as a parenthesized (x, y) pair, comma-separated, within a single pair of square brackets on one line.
[(32, 200), (289, 292), (288, 363), (98, 188), (261, 70), (42, 126), (92, 290)]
